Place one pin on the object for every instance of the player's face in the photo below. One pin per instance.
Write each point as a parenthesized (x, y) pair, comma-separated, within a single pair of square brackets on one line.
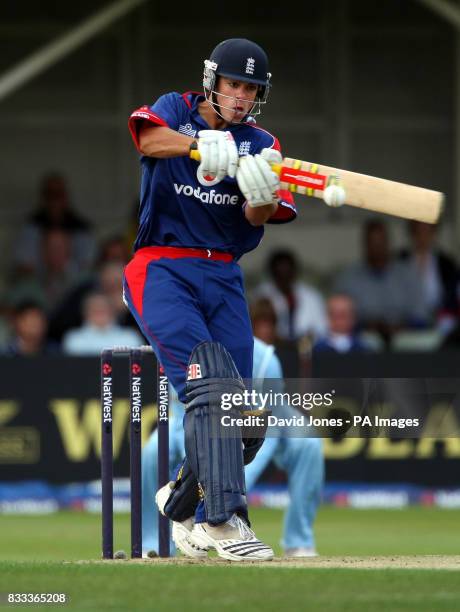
[(235, 98)]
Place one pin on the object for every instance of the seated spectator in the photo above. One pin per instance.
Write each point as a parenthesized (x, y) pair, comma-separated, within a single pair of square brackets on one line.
[(56, 275), (341, 336), (108, 280), (263, 317), (264, 325), (29, 325), (385, 291), (54, 212), (110, 283), (59, 273), (436, 272), (99, 329), (114, 250), (299, 307)]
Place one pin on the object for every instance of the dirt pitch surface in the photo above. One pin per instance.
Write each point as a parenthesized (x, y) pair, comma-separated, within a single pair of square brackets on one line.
[(430, 562)]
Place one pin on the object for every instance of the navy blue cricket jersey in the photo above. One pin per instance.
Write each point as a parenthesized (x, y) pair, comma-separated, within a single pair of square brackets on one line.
[(175, 209)]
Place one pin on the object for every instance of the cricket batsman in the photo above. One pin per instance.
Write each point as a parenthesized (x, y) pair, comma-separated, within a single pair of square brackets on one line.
[(184, 285)]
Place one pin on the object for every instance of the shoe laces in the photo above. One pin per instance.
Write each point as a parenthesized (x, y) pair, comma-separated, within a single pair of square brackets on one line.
[(244, 530)]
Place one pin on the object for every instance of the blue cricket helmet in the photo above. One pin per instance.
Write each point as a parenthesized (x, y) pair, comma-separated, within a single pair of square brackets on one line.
[(242, 60)]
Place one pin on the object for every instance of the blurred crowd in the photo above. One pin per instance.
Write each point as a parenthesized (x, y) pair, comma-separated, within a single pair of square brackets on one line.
[(64, 291)]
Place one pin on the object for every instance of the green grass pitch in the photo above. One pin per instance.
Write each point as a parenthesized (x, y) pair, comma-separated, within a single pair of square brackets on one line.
[(34, 549)]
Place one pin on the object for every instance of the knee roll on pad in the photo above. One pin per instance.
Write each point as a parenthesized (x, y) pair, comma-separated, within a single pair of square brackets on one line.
[(215, 452), (211, 372)]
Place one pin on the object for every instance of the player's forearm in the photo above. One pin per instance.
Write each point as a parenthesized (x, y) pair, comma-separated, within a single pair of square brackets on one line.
[(163, 142), (260, 214)]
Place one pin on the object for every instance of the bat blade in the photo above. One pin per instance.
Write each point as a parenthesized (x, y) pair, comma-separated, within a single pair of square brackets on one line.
[(363, 191)]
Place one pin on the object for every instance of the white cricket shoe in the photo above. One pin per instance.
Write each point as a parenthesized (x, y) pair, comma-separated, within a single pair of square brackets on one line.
[(180, 531), (181, 535), (232, 540), (300, 552)]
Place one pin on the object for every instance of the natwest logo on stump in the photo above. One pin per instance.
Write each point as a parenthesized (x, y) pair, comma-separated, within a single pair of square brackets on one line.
[(136, 369), (106, 369)]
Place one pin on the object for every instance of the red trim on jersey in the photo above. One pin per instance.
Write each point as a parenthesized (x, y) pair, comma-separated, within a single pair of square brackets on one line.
[(135, 275), (286, 210), (286, 196), (137, 119), (188, 93), (275, 144)]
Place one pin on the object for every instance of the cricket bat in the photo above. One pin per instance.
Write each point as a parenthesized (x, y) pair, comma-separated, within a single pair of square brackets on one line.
[(361, 191)]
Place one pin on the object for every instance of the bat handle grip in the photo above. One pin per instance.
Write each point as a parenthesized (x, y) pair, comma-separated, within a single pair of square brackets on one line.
[(195, 154)]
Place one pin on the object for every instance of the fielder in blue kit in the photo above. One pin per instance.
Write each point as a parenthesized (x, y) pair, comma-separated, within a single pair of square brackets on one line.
[(301, 458), (184, 285)]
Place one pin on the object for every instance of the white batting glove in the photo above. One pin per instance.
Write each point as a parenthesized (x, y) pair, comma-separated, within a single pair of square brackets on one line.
[(257, 181), (219, 156), (272, 156)]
